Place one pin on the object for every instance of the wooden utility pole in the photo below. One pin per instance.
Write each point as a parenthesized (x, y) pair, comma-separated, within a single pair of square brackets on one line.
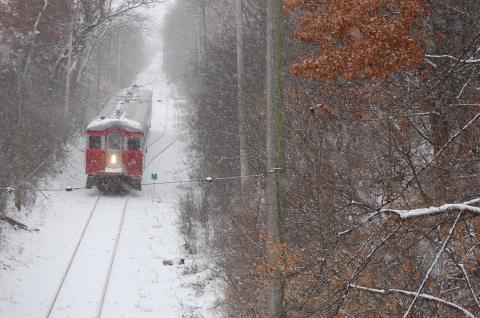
[(275, 147), (242, 133)]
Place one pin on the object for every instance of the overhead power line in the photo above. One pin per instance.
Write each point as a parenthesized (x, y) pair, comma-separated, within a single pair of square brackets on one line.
[(202, 180)]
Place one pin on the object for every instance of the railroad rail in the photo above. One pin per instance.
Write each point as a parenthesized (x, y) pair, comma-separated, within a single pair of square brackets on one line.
[(171, 143), (52, 312)]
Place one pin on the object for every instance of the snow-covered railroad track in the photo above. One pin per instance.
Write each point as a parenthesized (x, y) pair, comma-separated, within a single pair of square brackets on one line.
[(84, 285), (172, 142)]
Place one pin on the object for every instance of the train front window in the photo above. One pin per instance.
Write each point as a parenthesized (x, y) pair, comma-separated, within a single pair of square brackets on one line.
[(94, 142), (133, 144), (115, 141)]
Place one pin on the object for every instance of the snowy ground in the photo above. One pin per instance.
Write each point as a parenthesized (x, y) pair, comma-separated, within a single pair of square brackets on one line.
[(32, 264)]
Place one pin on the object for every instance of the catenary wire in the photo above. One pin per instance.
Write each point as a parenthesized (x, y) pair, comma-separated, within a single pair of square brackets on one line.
[(202, 180)]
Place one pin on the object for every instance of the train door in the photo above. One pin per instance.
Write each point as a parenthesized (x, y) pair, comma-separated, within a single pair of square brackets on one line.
[(114, 151), (133, 155)]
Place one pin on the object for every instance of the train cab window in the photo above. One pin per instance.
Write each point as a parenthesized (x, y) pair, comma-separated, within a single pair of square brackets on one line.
[(94, 142), (133, 144), (115, 141)]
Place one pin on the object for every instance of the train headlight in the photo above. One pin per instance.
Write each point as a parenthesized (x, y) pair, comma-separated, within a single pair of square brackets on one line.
[(113, 159)]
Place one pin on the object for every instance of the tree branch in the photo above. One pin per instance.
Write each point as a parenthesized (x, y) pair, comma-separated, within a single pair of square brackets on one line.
[(417, 295), (469, 284), (413, 294), (467, 61), (446, 208)]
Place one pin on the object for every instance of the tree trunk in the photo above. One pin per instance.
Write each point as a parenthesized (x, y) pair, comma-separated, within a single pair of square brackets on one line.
[(222, 26), (99, 71), (439, 122), (68, 79), (241, 98), (204, 34), (25, 59), (119, 61), (197, 43), (18, 159), (111, 62), (275, 146)]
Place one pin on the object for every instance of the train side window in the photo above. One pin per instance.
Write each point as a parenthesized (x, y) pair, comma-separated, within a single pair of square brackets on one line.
[(133, 144), (94, 142)]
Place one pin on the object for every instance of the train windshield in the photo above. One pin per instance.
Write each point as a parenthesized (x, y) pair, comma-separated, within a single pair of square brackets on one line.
[(133, 144), (115, 141)]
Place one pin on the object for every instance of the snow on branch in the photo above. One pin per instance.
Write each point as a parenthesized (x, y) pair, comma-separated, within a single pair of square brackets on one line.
[(432, 160), (465, 274), (427, 275), (413, 294), (466, 61), (446, 208)]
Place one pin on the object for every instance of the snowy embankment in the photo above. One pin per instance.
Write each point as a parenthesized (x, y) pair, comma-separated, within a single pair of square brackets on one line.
[(142, 282)]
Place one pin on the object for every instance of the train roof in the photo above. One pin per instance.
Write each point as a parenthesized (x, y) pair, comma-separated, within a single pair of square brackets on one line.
[(130, 110)]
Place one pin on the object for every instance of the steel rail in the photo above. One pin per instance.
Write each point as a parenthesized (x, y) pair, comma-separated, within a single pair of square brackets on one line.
[(154, 86), (112, 259), (177, 115), (162, 151), (162, 133), (72, 257)]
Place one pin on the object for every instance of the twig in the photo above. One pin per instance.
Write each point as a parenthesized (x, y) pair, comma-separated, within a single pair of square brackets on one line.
[(463, 87), (469, 285), (409, 293), (364, 263), (431, 266)]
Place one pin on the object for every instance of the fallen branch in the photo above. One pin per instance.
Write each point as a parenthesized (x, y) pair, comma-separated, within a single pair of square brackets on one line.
[(13, 222)]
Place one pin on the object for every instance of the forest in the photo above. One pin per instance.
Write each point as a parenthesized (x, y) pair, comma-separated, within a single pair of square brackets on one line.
[(356, 198), (380, 148), (59, 62)]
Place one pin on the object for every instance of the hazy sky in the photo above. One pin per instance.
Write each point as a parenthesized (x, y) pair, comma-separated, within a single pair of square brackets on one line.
[(156, 14)]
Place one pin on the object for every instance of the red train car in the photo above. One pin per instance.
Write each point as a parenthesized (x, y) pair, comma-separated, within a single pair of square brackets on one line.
[(116, 141)]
